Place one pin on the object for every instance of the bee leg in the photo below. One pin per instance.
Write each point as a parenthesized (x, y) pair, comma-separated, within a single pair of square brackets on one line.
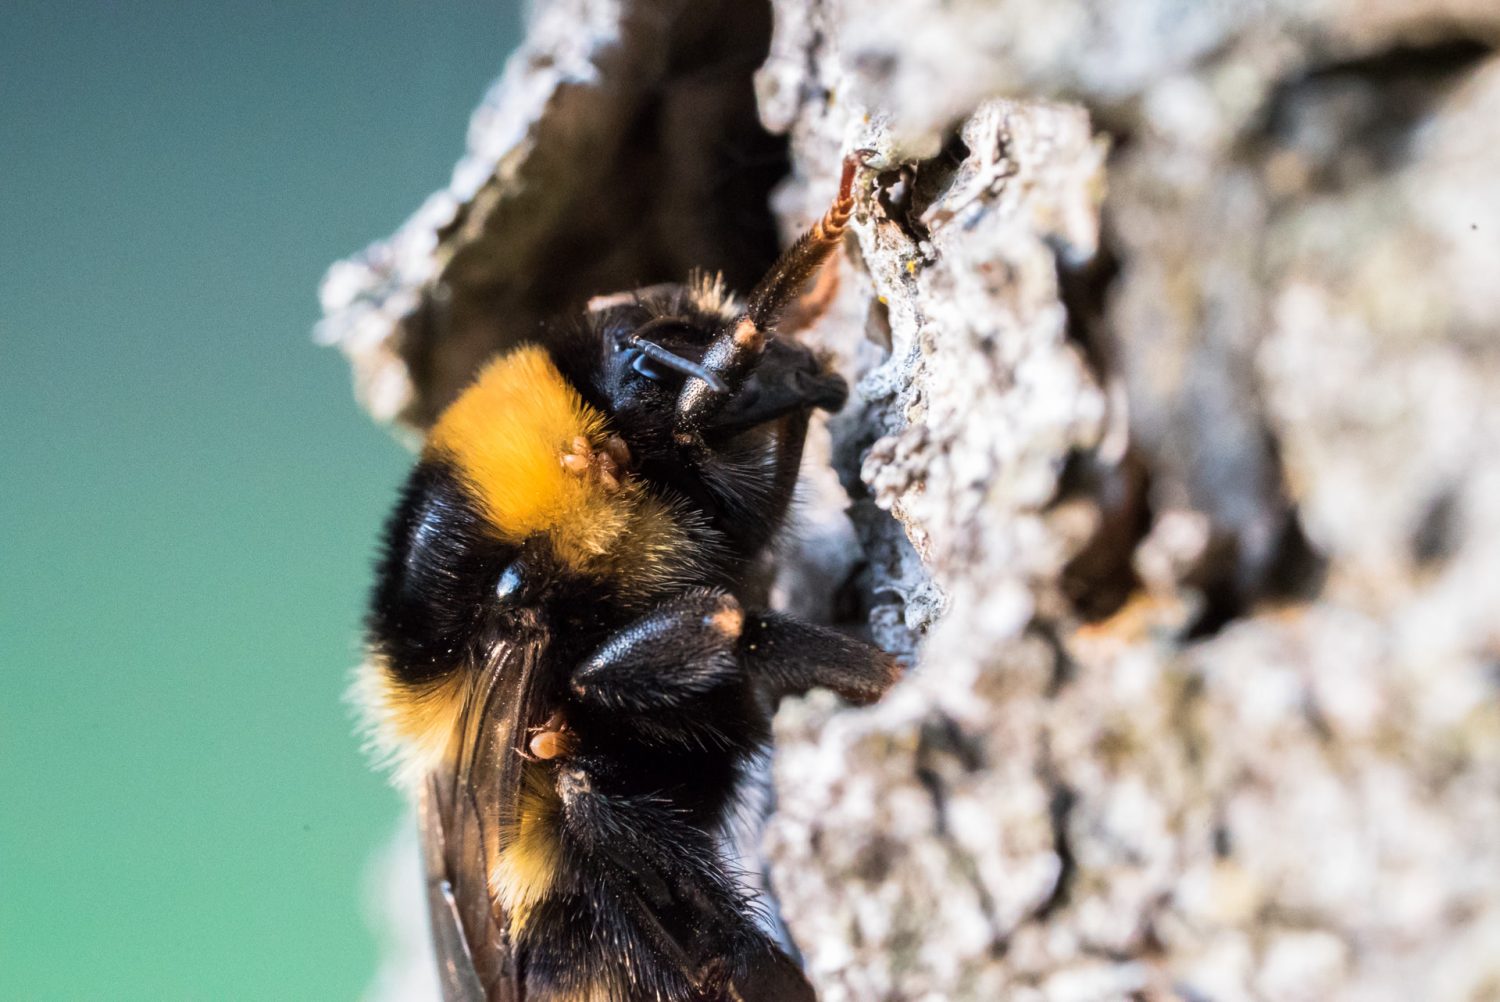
[(790, 657), (733, 353), (671, 658)]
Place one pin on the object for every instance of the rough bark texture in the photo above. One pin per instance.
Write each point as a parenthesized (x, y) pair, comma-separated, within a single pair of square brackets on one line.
[(1175, 458)]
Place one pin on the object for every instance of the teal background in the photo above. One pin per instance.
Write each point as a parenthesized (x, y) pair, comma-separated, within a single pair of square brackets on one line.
[(188, 494)]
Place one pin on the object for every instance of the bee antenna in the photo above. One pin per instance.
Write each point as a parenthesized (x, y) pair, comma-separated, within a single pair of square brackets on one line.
[(734, 350), (792, 270), (675, 362)]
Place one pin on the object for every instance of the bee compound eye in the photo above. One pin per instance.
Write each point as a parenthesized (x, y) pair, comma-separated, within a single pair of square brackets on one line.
[(511, 587)]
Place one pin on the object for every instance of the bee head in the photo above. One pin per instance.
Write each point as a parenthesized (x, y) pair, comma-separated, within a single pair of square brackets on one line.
[(632, 358)]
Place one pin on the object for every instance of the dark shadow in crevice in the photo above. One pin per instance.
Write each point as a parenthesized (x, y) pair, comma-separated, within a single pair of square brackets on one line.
[(1060, 808), (1437, 535), (906, 192), (1298, 569), (1084, 288), (1099, 579), (1350, 120), (1295, 571), (1291, 568), (935, 174)]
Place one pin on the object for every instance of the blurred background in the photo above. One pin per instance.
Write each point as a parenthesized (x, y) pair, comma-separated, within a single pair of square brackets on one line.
[(189, 496)]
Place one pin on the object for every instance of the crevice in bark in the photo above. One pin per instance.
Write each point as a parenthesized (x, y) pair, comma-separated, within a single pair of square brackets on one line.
[(939, 738), (905, 192), (1100, 577), (882, 593), (1344, 122), (1298, 570), (889, 589), (1436, 537), (1355, 118), (1290, 568), (1060, 810), (1084, 288), (935, 175)]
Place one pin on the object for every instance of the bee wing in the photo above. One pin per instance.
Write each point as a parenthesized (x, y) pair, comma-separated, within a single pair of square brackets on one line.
[(464, 808), (456, 972)]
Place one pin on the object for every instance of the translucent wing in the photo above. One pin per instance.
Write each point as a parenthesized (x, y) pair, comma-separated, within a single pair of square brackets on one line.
[(456, 972), (464, 808)]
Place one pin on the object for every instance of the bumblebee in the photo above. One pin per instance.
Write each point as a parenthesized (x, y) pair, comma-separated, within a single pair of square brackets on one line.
[(561, 667)]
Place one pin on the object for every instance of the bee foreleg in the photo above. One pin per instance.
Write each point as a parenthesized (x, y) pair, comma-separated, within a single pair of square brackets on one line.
[(789, 657)]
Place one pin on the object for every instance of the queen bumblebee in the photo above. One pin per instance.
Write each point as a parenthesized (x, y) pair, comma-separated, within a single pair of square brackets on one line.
[(560, 667)]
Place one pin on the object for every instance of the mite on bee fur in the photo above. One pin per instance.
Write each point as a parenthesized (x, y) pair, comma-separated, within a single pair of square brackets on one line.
[(560, 665)]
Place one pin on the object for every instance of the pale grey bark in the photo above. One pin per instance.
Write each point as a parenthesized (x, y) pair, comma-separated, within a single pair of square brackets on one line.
[(1175, 460)]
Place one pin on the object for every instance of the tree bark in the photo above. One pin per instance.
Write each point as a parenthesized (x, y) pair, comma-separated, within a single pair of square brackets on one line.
[(1174, 462)]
